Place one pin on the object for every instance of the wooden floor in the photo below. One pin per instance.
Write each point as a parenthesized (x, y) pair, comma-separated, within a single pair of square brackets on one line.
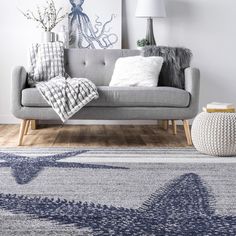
[(94, 136)]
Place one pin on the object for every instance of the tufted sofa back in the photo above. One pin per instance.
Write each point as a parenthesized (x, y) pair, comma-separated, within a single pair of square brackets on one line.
[(96, 65)]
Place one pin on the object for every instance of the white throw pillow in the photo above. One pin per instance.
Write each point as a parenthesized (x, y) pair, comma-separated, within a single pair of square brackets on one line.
[(137, 71)]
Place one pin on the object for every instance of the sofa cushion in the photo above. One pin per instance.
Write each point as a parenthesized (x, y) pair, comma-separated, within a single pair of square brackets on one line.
[(97, 65), (122, 96)]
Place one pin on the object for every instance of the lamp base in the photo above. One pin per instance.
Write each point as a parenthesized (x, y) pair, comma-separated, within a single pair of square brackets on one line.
[(150, 35)]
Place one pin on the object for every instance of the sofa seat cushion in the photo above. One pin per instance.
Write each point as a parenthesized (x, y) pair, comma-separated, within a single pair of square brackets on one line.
[(122, 97)]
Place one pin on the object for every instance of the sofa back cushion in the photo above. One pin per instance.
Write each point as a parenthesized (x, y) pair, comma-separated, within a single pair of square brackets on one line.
[(96, 65)]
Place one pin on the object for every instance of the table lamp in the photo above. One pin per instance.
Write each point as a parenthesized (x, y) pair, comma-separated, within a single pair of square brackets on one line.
[(150, 9)]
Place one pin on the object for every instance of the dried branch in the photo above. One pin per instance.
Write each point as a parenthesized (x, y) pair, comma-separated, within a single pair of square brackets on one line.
[(47, 17)]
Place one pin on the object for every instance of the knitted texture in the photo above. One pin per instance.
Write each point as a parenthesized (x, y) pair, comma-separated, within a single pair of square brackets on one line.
[(46, 62), (215, 133)]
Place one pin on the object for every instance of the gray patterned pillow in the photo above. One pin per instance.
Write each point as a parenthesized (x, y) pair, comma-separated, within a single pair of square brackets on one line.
[(46, 62)]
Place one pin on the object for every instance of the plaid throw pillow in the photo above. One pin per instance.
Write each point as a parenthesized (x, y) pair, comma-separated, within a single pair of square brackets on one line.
[(46, 62)]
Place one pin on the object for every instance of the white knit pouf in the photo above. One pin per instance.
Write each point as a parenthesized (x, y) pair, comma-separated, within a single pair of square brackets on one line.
[(215, 133)]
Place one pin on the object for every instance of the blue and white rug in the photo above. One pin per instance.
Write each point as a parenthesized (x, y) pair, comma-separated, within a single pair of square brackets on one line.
[(116, 192)]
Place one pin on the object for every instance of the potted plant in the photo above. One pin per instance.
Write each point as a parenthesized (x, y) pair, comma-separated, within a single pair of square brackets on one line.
[(47, 17), (142, 43)]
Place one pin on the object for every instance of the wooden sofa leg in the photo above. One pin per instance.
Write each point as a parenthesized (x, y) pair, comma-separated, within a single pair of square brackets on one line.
[(22, 132), (174, 127), (187, 132), (33, 124), (165, 124), (27, 127)]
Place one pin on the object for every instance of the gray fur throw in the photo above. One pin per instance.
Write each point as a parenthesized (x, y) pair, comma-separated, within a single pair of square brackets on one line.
[(176, 60)]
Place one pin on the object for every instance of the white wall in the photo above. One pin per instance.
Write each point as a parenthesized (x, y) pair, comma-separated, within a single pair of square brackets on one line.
[(207, 27)]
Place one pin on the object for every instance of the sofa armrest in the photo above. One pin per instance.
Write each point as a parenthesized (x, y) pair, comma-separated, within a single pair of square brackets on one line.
[(192, 85), (19, 81)]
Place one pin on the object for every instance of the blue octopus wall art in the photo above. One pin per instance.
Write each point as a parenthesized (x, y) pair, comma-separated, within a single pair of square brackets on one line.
[(85, 34)]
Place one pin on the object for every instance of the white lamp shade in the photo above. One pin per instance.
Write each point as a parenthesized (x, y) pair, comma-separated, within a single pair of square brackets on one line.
[(151, 8)]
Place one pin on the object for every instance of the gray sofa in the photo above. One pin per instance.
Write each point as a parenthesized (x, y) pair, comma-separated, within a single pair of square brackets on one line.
[(115, 103)]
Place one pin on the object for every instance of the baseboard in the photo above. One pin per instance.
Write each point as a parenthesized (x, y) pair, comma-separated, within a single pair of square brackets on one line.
[(8, 120), (12, 120), (104, 122)]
